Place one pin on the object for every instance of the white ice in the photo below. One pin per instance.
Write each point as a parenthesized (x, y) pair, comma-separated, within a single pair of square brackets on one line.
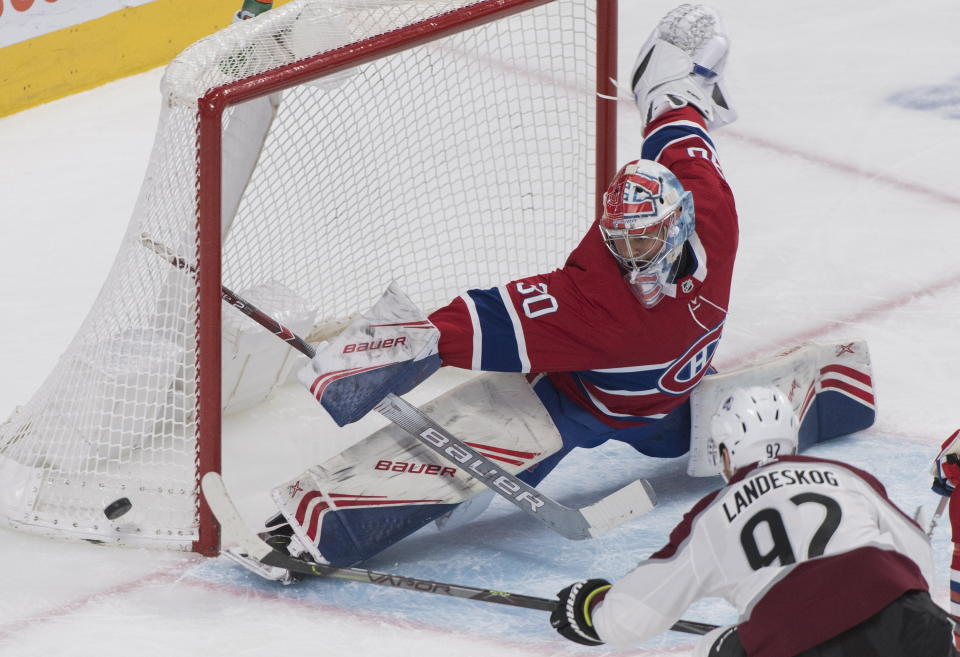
[(842, 165)]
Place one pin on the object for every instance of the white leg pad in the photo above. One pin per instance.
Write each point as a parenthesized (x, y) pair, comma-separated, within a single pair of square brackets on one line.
[(498, 414), (801, 373)]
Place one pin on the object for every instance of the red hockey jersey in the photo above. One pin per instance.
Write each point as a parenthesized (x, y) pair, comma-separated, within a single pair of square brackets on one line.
[(582, 325)]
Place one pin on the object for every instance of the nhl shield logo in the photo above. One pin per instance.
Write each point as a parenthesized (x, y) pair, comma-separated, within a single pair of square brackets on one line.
[(686, 286)]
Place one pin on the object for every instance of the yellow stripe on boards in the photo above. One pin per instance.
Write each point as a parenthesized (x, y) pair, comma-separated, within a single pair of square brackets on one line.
[(123, 43)]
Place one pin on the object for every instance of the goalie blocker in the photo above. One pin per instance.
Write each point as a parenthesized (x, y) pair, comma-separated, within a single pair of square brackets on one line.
[(389, 349)]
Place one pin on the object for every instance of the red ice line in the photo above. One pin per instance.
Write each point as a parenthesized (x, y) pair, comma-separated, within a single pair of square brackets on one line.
[(548, 648), (870, 311), (829, 163), (385, 619), (14, 627), (858, 316)]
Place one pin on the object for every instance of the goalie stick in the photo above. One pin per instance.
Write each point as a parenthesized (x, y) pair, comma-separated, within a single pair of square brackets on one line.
[(636, 498), (235, 532)]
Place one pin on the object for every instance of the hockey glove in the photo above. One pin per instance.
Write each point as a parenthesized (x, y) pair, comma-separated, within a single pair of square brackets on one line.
[(682, 63), (253, 8), (572, 617), (946, 467), (391, 348)]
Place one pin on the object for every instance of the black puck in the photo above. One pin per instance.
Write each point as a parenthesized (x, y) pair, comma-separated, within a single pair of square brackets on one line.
[(117, 508)]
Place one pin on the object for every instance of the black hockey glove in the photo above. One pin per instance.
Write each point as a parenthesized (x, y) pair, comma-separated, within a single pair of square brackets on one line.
[(572, 618)]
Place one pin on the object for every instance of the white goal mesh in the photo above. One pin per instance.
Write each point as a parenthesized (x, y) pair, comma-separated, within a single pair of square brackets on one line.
[(462, 161)]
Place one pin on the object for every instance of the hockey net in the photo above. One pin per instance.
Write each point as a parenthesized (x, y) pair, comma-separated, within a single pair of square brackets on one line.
[(307, 158)]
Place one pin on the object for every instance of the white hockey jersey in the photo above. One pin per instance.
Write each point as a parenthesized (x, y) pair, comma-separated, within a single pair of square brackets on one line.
[(803, 548)]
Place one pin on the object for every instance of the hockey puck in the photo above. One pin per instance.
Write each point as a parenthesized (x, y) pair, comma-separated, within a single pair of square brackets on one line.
[(117, 508)]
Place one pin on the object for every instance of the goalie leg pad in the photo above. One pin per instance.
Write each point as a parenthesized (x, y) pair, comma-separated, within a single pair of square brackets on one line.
[(388, 485), (466, 512), (830, 386)]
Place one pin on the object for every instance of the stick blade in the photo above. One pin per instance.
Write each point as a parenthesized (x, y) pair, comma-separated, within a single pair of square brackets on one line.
[(634, 499), (233, 530)]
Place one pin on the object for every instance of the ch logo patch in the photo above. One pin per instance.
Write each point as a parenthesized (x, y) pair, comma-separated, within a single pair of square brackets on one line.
[(686, 371)]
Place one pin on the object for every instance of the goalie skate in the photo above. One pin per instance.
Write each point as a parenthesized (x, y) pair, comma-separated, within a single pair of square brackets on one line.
[(279, 536)]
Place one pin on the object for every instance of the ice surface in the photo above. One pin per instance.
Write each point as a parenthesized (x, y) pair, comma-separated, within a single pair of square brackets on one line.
[(843, 167)]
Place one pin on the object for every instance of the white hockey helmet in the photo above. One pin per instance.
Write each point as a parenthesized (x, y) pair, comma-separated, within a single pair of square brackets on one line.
[(647, 218), (753, 424)]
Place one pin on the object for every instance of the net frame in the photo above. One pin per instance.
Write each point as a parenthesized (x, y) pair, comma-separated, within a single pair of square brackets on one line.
[(211, 109), (202, 249)]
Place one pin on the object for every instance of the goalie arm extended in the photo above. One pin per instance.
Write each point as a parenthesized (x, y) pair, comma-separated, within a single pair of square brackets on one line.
[(635, 499)]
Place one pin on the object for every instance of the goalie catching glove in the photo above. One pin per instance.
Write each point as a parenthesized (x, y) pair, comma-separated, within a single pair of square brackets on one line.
[(391, 348), (572, 617), (682, 64)]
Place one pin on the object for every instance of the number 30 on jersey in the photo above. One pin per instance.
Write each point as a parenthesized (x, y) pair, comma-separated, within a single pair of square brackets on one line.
[(536, 300)]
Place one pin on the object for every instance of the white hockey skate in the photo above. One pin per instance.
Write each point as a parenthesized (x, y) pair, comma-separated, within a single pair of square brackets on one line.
[(682, 63)]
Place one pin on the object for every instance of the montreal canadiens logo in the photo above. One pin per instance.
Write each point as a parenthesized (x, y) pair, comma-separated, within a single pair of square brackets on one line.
[(687, 370), (640, 193)]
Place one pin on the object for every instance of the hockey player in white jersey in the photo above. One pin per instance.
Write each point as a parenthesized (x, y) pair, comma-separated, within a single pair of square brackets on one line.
[(813, 554)]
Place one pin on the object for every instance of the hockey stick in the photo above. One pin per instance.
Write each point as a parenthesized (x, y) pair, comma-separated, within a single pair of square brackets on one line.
[(941, 505), (247, 308), (235, 532), (636, 498)]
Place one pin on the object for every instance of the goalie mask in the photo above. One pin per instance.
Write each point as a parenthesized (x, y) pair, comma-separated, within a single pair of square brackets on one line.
[(647, 218), (753, 424)]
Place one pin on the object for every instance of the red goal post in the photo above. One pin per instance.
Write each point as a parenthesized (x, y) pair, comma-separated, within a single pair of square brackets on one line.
[(337, 145)]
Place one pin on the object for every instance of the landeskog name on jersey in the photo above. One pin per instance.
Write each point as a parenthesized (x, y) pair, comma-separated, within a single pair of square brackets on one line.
[(762, 483)]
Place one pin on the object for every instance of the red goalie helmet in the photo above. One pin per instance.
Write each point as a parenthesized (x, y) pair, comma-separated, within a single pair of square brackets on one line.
[(647, 217)]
